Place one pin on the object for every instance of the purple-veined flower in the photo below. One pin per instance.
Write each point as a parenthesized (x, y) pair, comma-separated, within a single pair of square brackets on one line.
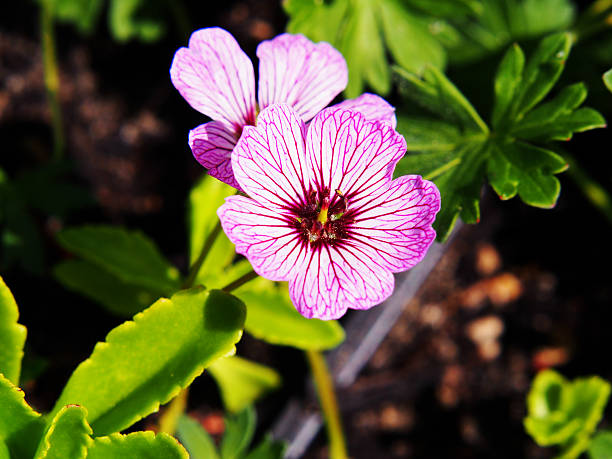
[(324, 212), (217, 78)]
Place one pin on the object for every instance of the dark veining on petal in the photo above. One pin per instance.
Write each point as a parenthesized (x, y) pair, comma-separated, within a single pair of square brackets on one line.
[(322, 220)]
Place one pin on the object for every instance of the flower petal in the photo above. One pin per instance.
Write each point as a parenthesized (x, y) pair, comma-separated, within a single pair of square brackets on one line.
[(269, 160), (373, 107), (333, 279), (212, 144), (396, 225), (352, 155), (295, 71), (216, 77), (263, 235)]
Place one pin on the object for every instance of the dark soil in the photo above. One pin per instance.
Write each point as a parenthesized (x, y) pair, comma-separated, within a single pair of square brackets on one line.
[(525, 289)]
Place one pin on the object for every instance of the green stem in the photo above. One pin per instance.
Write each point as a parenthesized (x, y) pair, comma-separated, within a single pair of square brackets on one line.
[(197, 265), (329, 404), (51, 76), (240, 281), (596, 194)]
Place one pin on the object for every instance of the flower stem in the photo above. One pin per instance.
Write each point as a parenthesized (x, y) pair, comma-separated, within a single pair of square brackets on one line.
[(596, 194), (197, 265), (240, 281), (51, 76), (329, 404)]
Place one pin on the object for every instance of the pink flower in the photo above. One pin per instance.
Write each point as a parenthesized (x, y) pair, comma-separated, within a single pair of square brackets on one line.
[(324, 212), (216, 78)]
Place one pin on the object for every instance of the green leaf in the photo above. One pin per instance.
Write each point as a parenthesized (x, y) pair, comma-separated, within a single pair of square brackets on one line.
[(83, 14), (207, 195), (607, 79), (115, 295), (129, 255), (67, 436), (507, 83), (437, 94), (601, 445), (135, 19), (454, 148), (195, 439), (4, 451), (363, 31), (273, 318), (239, 430), (560, 412), (145, 362), (20, 426), (500, 22), (268, 449), (242, 381), (12, 335), (519, 167), (137, 445)]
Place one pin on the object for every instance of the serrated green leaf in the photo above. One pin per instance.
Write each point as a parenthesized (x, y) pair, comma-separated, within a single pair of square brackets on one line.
[(195, 439), (137, 445), (408, 38), (67, 436), (607, 79), (12, 335), (320, 21), (20, 426), (563, 126), (428, 135), (507, 82), (565, 413), (115, 295), (273, 318), (437, 94), (145, 362), (447, 8), (268, 449), (601, 445), (135, 19), (129, 255), (239, 430), (542, 71), (242, 381)]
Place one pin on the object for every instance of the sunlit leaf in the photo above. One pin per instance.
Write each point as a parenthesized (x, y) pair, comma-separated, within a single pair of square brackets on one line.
[(607, 78), (137, 445), (136, 19), (145, 362), (601, 445), (129, 255), (565, 413), (67, 436), (83, 14), (195, 439), (273, 318), (20, 426), (12, 335), (242, 381)]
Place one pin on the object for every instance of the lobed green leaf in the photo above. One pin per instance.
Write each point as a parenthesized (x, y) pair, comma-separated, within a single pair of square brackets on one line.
[(242, 381), (12, 336), (601, 445), (129, 255), (507, 83), (67, 436), (145, 362), (135, 19), (137, 445)]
